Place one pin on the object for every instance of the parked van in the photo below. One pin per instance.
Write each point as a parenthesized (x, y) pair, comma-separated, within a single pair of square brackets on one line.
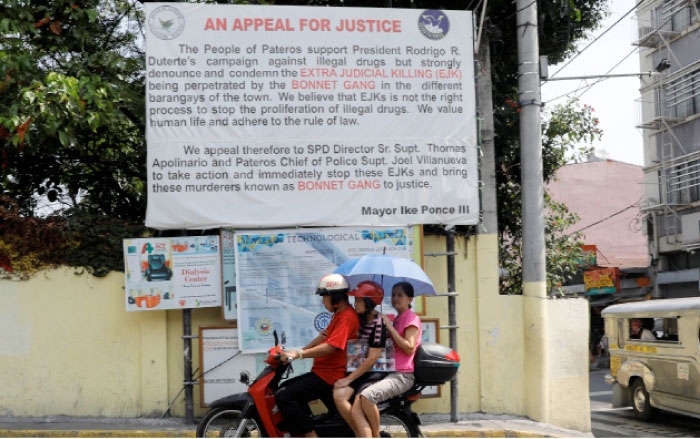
[(655, 355)]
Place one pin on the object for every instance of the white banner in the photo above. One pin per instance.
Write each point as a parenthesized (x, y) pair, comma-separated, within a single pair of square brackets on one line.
[(281, 115), (172, 273), (277, 273)]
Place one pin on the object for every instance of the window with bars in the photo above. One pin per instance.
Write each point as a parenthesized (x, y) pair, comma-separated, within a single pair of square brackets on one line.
[(675, 15), (681, 96), (683, 183)]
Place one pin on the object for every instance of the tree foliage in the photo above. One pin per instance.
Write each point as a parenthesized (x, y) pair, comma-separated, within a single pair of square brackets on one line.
[(71, 105), (566, 132)]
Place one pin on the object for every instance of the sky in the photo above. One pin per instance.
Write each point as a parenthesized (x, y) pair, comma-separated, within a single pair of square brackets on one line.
[(615, 99)]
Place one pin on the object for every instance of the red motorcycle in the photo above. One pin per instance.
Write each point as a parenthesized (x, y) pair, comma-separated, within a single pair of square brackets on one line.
[(255, 414)]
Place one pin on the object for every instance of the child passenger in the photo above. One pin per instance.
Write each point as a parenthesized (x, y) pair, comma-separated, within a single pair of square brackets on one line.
[(367, 296)]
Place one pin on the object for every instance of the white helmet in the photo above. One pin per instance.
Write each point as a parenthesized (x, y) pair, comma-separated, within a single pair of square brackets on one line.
[(335, 286), (331, 284)]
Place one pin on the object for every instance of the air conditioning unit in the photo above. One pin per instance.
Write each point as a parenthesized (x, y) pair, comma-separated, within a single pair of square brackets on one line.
[(690, 226)]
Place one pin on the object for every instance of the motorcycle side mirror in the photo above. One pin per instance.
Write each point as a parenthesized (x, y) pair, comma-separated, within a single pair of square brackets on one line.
[(284, 338), (274, 333), (245, 378)]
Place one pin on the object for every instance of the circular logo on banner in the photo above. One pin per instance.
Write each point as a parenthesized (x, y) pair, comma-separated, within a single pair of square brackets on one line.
[(166, 22), (322, 320), (264, 326), (433, 24)]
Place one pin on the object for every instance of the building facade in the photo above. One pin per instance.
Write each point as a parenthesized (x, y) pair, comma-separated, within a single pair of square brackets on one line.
[(669, 43), (606, 195)]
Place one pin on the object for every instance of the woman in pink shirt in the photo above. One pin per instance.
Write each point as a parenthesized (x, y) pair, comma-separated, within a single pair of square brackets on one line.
[(406, 333)]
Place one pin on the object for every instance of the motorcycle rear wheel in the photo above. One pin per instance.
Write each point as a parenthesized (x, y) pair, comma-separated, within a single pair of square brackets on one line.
[(226, 423), (395, 425)]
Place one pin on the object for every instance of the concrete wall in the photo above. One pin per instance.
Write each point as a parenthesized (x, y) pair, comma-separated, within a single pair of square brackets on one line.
[(599, 189), (68, 347), (568, 322)]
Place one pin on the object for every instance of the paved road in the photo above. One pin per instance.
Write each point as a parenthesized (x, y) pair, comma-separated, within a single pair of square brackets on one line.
[(609, 422)]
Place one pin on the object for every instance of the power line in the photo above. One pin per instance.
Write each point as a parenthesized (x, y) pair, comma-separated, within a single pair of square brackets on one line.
[(611, 69), (509, 16), (589, 86), (599, 36), (606, 218)]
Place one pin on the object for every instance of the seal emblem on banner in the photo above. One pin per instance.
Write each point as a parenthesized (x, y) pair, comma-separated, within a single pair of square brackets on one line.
[(166, 22), (322, 320), (264, 326), (433, 24)]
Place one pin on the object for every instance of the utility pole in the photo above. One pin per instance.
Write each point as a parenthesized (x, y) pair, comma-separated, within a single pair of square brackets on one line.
[(534, 261), (487, 232), (452, 316), (187, 341), (484, 102)]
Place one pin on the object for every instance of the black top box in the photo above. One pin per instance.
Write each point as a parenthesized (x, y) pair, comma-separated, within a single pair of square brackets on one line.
[(435, 364)]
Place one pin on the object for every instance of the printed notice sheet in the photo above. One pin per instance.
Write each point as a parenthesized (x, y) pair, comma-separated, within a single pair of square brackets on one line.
[(277, 273)]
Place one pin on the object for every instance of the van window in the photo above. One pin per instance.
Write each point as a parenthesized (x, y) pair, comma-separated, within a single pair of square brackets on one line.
[(660, 329), (620, 333), (641, 329), (666, 329)]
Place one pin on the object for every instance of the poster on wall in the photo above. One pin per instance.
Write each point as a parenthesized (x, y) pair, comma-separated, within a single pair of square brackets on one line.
[(277, 273), (334, 116), (222, 363), (172, 273), (228, 267), (228, 273)]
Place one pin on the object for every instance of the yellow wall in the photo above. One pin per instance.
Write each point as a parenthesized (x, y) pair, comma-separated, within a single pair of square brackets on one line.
[(569, 404), (68, 347)]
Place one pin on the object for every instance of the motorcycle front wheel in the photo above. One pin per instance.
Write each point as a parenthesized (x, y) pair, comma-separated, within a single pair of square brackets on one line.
[(229, 423), (395, 425)]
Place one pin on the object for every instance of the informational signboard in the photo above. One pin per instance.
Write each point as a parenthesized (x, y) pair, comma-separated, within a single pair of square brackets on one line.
[(228, 268), (222, 364), (277, 273), (602, 281), (172, 273), (309, 116), (228, 271)]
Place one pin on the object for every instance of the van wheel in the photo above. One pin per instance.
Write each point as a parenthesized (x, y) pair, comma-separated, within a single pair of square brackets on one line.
[(640, 401)]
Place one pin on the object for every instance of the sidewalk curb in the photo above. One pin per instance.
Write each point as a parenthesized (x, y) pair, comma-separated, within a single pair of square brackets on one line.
[(485, 433), (190, 433), (96, 433)]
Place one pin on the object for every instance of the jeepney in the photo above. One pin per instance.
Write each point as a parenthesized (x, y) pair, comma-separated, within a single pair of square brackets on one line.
[(658, 373)]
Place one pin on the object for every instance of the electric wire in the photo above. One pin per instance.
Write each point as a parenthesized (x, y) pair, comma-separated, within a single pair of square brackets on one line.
[(195, 379), (635, 204), (589, 86), (509, 16), (598, 37), (611, 69)]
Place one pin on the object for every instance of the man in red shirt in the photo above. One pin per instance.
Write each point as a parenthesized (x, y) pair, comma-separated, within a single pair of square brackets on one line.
[(329, 353)]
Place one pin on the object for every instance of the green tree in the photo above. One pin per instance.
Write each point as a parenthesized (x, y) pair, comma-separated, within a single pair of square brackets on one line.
[(71, 132), (71, 105), (567, 133)]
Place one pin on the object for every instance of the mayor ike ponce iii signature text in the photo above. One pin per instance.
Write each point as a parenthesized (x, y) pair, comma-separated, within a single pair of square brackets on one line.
[(411, 210)]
